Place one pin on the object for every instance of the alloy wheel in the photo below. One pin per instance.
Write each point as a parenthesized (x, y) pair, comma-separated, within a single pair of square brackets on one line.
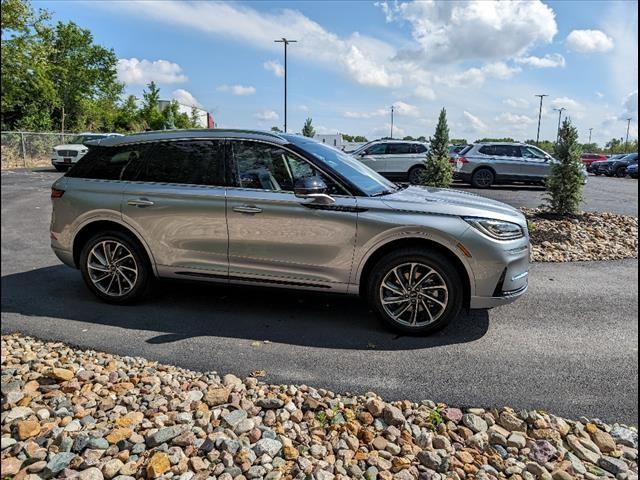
[(112, 268), (483, 178), (414, 294)]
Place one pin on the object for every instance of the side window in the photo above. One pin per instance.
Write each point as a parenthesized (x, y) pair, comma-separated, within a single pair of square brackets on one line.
[(107, 163), (417, 148), (194, 162), (399, 148), (269, 167), (377, 149), (533, 153), (487, 150)]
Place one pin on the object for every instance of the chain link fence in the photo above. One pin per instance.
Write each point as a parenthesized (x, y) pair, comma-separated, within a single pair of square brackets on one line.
[(29, 149)]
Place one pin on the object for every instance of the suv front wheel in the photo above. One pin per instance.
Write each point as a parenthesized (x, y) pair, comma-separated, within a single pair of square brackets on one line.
[(414, 291), (114, 267)]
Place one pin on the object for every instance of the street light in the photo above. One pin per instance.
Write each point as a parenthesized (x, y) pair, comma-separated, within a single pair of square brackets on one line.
[(626, 142), (559, 110), (285, 42), (392, 121), (539, 116), (590, 134)]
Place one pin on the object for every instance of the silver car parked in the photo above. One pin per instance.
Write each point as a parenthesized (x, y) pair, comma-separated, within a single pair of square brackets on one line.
[(484, 164), (257, 208)]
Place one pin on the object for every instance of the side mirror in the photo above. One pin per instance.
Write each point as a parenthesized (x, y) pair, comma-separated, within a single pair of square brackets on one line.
[(313, 188)]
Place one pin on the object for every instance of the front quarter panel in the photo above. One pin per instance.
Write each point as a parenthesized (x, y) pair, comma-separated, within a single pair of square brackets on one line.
[(379, 225)]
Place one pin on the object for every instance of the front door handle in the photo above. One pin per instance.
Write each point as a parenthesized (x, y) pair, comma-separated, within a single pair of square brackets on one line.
[(247, 209), (140, 202)]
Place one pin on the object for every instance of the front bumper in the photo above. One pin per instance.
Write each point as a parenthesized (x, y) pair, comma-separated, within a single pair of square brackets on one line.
[(501, 269)]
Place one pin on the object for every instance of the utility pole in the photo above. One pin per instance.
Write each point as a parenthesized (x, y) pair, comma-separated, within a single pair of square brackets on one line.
[(590, 134), (626, 142), (285, 42), (539, 116), (391, 121), (559, 110)]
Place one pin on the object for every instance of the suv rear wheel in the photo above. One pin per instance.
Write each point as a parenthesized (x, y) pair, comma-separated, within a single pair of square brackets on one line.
[(114, 267), (621, 172), (414, 291), (482, 178), (415, 173)]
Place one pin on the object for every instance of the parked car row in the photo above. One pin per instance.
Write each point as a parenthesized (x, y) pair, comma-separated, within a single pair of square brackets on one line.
[(615, 166)]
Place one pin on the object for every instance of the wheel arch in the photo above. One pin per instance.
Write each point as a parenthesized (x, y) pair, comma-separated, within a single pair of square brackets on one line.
[(91, 228), (424, 243)]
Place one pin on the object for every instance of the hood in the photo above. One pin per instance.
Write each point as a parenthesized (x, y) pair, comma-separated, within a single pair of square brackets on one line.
[(70, 146), (444, 201)]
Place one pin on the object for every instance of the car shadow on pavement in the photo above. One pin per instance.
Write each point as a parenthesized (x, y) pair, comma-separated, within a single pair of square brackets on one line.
[(180, 310), (504, 188)]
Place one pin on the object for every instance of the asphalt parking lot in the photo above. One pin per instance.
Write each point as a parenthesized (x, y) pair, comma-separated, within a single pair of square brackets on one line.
[(569, 346)]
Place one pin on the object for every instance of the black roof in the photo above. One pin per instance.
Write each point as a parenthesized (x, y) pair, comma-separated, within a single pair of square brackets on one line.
[(200, 133)]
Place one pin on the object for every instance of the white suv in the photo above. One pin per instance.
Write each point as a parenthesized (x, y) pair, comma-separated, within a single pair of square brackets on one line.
[(63, 156), (394, 159)]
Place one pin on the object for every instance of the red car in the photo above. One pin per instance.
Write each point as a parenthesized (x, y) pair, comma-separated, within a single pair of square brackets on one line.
[(589, 158)]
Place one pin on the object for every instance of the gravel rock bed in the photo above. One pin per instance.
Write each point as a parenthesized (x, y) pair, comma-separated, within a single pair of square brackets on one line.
[(68, 413), (585, 237)]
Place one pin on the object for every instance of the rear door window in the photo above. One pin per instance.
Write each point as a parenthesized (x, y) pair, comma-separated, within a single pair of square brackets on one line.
[(417, 148), (107, 163), (191, 162), (399, 148), (506, 150), (488, 150)]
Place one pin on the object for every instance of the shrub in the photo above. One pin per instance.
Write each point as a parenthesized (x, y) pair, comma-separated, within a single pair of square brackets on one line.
[(438, 171)]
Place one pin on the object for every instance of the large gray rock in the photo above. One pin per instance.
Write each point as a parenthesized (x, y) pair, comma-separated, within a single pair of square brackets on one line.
[(267, 445), (624, 436), (164, 435)]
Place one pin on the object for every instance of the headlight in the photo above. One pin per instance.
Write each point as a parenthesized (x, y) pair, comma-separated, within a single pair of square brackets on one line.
[(497, 229)]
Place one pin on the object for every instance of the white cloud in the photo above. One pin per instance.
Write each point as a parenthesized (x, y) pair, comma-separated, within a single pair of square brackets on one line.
[(599, 94), (553, 60), (303, 108), (185, 98), (265, 115), (514, 121), (424, 92), (448, 32), (517, 102), (238, 90), (589, 41), (385, 131), (274, 67), (473, 122), (400, 108), (568, 103), (476, 76), (132, 71)]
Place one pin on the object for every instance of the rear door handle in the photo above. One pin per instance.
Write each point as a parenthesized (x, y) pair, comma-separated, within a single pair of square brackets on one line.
[(140, 202), (247, 209)]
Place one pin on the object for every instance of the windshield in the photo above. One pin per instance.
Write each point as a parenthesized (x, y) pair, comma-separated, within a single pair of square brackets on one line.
[(360, 148), (369, 182), (80, 139)]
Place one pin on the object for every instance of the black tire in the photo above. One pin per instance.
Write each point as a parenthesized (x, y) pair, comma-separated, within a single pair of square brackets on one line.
[(433, 260), (483, 178), (144, 277), (61, 168), (597, 174), (621, 172), (414, 174)]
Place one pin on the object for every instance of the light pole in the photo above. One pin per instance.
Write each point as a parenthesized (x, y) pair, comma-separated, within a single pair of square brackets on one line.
[(626, 142), (559, 110), (392, 121), (285, 42), (590, 134), (539, 116)]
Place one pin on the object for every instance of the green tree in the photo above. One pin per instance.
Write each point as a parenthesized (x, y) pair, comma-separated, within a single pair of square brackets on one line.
[(128, 116), (276, 129), (28, 92), (408, 138), (150, 114), (566, 183), (438, 171), (82, 72), (422, 138), (360, 139), (458, 141), (194, 118), (308, 130)]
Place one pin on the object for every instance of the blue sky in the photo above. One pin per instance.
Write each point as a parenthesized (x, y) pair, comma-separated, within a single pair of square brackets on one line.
[(482, 61)]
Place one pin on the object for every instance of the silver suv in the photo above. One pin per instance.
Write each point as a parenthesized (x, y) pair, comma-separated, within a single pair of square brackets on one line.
[(394, 159), (484, 164), (258, 208)]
